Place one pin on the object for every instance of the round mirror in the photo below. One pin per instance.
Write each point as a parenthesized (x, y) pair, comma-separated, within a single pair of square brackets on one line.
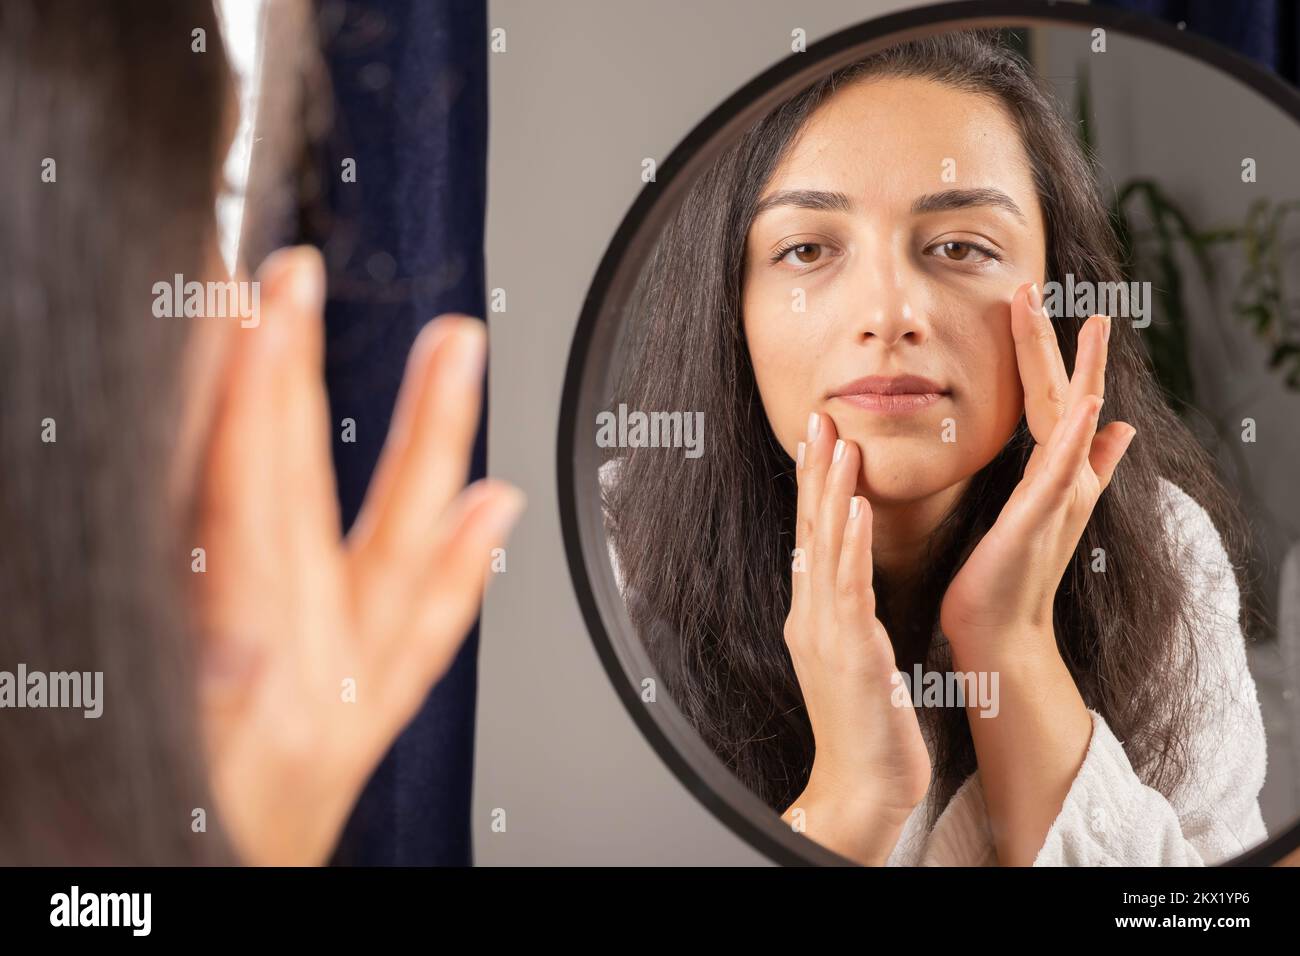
[(868, 561)]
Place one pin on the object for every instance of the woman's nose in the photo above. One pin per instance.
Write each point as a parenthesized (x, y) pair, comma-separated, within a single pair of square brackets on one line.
[(892, 321), (890, 305)]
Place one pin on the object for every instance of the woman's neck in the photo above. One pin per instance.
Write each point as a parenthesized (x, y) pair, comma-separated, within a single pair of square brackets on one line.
[(901, 532), (901, 536)]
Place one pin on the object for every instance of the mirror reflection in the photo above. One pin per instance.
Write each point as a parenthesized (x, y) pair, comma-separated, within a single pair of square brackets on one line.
[(947, 459)]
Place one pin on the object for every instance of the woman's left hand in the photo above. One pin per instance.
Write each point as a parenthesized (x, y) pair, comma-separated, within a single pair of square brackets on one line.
[(319, 648), (1001, 599)]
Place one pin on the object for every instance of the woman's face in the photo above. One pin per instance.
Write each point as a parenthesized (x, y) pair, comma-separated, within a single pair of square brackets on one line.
[(889, 243)]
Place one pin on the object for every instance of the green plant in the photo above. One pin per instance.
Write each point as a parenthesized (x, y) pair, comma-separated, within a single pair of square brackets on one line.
[(1156, 236)]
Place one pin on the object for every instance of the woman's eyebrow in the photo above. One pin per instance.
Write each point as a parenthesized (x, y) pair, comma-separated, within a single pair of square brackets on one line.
[(806, 199), (931, 202), (965, 198)]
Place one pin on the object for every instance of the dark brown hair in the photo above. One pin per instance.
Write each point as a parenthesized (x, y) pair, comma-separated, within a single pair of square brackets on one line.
[(93, 566), (704, 545)]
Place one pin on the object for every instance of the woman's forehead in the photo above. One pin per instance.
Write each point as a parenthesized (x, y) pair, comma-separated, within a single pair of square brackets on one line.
[(899, 137)]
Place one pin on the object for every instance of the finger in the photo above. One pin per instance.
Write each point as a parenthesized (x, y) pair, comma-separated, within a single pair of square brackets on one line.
[(799, 583), (426, 456), (236, 516), (1069, 452), (1038, 356), (820, 441), (477, 522), (841, 482), (294, 284), (238, 470), (855, 594), (396, 442), (309, 546), (1108, 448), (1090, 360)]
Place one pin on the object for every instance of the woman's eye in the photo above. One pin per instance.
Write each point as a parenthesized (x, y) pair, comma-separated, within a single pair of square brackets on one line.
[(806, 253), (964, 252)]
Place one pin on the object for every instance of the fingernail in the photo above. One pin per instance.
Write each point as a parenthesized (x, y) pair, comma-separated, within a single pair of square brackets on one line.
[(814, 426), (839, 450), (429, 341), (308, 280), (1106, 327), (509, 511), (799, 454), (1035, 298), (855, 506), (470, 353)]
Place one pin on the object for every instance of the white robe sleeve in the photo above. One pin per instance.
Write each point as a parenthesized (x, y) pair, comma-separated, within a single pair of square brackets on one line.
[(1110, 817)]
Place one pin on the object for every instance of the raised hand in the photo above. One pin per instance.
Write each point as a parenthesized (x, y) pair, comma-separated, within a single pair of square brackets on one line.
[(1001, 599), (871, 767), (318, 650)]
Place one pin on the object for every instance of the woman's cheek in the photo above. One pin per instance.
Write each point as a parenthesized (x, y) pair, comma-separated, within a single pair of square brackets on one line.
[(1006, 403), (976, 338), (782, 379)]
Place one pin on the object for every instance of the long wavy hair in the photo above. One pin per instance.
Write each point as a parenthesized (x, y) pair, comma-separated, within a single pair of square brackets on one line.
[(704, 544)]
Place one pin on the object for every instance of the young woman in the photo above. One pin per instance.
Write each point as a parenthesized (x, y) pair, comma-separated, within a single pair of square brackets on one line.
[(167, 503), (900, 470)]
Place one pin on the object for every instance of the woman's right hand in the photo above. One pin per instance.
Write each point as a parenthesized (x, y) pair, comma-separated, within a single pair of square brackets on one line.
[(871, 767)]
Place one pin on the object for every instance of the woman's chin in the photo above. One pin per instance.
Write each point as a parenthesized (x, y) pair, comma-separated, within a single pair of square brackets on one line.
[(892, 487)]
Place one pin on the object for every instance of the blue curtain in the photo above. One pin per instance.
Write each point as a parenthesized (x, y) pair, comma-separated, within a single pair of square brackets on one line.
[(1264, 30), (402, 243)]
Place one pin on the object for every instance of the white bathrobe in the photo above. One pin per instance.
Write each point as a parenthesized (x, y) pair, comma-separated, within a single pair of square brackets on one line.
[(1110, 817)]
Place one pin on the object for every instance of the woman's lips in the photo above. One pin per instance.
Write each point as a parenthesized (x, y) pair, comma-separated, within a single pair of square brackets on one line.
[(897, 403), (891, 393)]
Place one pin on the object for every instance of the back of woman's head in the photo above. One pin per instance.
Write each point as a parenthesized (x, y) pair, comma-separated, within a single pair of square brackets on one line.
[(115, 127)]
